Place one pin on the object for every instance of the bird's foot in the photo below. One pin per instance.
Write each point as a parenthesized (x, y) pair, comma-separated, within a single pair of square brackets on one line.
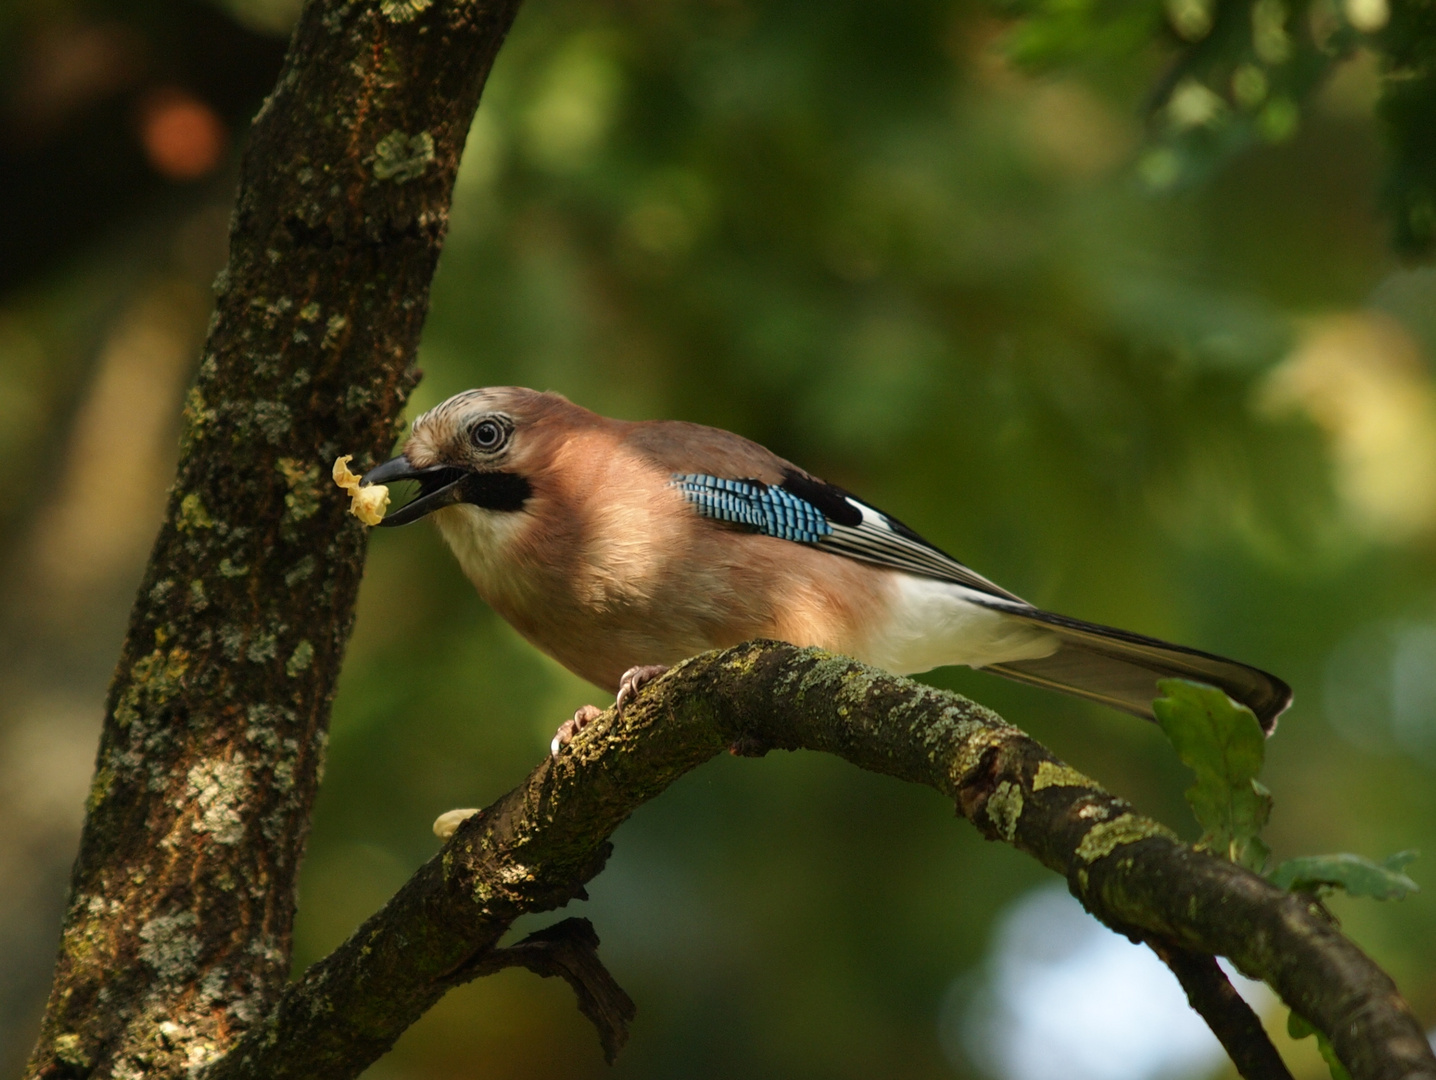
[(582, 717), (634, 680)]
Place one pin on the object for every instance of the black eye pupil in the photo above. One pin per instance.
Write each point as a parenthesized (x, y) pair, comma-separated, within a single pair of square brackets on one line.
[(487, 435)]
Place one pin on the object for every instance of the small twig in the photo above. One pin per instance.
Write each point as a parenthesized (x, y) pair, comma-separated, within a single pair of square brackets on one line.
[(1231, 1019), (569, 949)]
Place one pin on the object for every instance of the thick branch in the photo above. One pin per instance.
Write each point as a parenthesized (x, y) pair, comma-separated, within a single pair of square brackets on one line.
[(534, 849), (178, 933)]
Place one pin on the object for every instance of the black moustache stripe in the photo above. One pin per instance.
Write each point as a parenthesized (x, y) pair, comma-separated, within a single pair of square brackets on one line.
[(503, 491)]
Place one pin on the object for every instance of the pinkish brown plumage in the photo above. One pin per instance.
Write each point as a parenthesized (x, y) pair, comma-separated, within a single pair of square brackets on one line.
[(612, 545), (609, 567)]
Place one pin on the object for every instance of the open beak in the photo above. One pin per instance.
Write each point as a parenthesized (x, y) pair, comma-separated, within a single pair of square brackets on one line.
[(439, 485)]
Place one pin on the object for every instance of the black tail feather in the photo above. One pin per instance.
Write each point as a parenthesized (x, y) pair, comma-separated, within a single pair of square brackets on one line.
[(1121, 669)]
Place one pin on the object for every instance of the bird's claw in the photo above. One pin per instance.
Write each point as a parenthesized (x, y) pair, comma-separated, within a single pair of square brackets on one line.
[(582, 717), (633, 681)]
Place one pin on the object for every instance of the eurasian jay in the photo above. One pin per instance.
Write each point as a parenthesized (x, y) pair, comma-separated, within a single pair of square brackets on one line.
[(619, 548)]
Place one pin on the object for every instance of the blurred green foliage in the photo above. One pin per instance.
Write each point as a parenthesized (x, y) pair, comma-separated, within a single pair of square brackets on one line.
[(1191, 396), (1409, 46), (1239, 71)]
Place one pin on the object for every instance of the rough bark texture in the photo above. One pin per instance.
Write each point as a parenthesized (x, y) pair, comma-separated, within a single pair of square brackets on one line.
[(533, 849), (178, 932)]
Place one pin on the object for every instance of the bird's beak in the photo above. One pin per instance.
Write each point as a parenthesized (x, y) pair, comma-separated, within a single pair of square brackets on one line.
[(439, 485)]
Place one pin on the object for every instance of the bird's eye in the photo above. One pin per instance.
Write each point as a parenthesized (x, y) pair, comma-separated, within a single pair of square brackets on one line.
[(487, 434)]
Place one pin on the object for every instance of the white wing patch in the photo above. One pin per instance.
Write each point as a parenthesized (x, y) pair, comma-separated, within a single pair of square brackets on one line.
[(875, 540)]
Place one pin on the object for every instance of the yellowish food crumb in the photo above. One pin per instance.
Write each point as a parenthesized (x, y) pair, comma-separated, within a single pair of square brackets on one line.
[(366, 503), (445, 825)]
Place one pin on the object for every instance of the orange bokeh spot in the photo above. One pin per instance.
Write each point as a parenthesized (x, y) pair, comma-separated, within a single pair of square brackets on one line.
[(183, 137)]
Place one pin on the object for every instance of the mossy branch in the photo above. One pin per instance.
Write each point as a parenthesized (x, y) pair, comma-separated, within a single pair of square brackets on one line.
[(534, 849)]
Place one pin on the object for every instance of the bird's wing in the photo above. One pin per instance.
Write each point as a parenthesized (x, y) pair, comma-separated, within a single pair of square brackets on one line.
[(742, 485), (864, 532), (1100, 663), (733, 480)]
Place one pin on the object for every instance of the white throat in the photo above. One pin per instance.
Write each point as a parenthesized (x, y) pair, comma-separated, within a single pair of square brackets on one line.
[(483, 542)]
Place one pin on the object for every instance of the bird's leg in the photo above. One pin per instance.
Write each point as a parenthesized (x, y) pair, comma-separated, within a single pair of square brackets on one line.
[(582, 717), (628, 686), (633, 681)]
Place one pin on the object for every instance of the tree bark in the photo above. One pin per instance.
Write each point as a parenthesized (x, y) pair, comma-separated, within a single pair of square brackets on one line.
[(177, 937)]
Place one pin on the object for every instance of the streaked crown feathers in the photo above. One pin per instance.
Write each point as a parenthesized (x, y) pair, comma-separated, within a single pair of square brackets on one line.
[(438, 435)]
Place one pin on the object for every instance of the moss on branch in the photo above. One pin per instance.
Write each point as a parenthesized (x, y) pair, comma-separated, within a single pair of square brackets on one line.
[(534, 849)]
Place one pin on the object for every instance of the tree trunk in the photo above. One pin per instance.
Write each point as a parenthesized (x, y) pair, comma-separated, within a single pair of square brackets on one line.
[(177, 937)]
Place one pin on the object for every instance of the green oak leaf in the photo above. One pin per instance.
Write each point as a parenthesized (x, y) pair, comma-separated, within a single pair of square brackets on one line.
[(1223, 744), (1298, 1028), (1357, 875)]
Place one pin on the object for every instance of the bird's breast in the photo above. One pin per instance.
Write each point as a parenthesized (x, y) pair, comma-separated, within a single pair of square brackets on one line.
[(600, 569)]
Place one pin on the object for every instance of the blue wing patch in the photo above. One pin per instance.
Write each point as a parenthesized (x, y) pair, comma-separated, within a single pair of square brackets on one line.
[(768, 509)]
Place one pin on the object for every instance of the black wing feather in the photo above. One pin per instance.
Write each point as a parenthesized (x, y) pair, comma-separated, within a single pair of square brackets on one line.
[(879, 538)]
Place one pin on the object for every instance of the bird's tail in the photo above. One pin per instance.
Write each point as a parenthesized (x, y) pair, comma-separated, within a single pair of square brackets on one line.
[(1121, 669)]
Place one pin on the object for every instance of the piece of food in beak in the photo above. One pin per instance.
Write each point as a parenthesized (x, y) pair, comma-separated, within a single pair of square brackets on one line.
[(366, 503)]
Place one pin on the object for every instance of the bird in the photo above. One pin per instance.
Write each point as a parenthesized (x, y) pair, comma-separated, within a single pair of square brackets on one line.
[(620, 548)]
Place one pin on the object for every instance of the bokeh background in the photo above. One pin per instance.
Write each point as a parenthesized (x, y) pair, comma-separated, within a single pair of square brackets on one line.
[(1149, 361)]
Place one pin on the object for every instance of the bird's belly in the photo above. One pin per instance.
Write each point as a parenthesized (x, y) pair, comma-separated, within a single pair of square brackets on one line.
[(895, 621), (602, 656)]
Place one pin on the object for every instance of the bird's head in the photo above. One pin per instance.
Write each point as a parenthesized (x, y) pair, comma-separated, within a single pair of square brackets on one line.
[(479, 447)]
